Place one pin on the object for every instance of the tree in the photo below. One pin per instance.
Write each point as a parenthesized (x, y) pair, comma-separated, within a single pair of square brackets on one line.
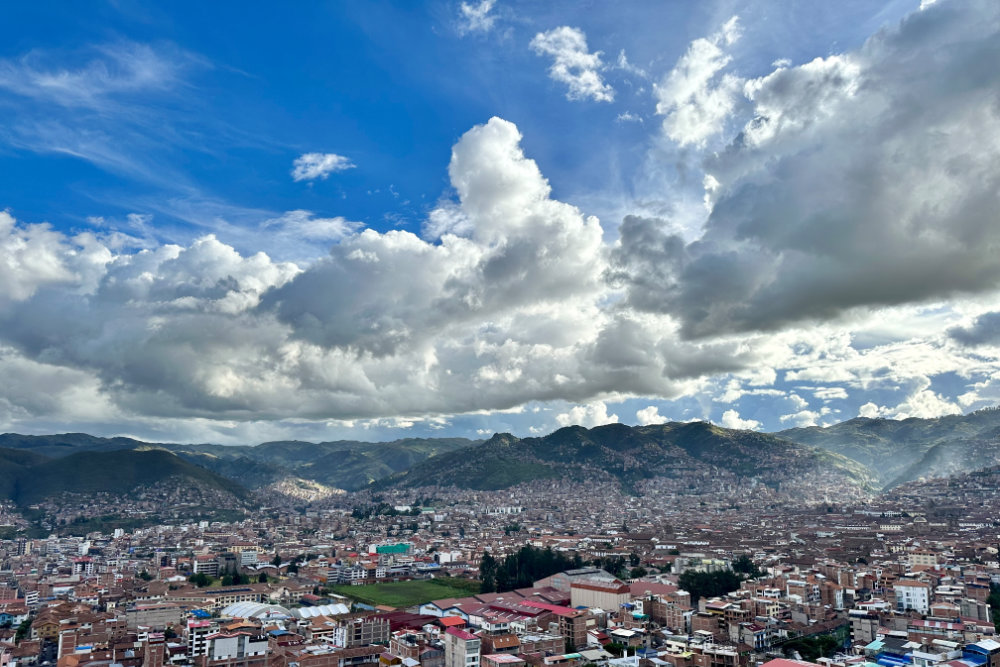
[(488, 573), (200, 580), (708, 584), (522, 568), (634, 559), (744, 565), (637, 572), (276, 561), (615, 649), (145, 576), (23, 630), (624, 527)]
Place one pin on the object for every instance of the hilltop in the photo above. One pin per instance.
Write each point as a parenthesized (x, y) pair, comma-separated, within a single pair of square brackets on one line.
[(865, 454), (631, 455), (902, 450)]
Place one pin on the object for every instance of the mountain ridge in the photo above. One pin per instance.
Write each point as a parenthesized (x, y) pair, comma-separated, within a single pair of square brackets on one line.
[(870, 453)]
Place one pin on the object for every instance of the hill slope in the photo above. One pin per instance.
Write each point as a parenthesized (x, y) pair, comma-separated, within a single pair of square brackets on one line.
[(900, 450), (118, 472), (631, 455), (342, 464)]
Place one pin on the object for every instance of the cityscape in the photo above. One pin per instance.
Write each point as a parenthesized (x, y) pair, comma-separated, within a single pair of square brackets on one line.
[(500, 333)]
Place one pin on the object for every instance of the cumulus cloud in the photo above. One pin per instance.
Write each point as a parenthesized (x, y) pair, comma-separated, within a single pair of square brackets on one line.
[(694, 98), (34, 256), (871, 410), (801, 418), (650, 415), (731, 419), (505, 307), (476, 17), (925, 403), (310, 166), (574, 64), (588, 416), (842, 193)]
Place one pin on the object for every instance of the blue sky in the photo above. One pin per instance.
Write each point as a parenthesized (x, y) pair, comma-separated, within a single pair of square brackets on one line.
[(232, 223)]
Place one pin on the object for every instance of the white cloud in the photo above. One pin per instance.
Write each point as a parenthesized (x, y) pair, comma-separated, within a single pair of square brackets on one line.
[(310, 166), (303, 224), (801, 418), (871, 410), (830, 393), (798, 231), (588, 416), (924, 403), (573, 64), (650, 415), (115, 70), (629, 117), (476, 17), (731, 419), (694, 99), (623, 64)]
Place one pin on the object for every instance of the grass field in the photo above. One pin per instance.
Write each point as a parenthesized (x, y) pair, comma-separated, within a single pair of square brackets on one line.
[(409, 593)]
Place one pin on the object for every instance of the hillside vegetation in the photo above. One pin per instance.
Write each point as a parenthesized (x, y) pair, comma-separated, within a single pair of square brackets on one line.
[(902, 450), (630, 455), (30, 478)]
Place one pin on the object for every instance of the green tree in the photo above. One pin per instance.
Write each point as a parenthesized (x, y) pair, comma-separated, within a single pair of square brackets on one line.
[(744, 565), (276, 561), (708, 584), (488, 573), (637, 572), (23, 630), (262, 578), (200, 580), (993, 600), (522, 568), (615, 649)]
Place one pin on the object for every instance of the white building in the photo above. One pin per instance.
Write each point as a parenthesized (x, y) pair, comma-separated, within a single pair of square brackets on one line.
[(913, 595)]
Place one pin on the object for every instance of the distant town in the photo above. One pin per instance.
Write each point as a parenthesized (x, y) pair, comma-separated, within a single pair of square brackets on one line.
[(697, 572)]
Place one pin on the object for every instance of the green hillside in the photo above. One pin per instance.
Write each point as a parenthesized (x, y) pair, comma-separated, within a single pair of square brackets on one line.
[(117, 472), (895, 449), (342, 464), (65, 443), (630, 455)]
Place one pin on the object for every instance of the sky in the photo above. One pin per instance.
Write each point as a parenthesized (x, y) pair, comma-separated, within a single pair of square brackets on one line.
[(235, 223)]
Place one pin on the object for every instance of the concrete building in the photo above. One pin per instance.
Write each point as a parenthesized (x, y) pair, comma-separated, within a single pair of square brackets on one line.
[(912, 594), (607, 595), (461, 648)]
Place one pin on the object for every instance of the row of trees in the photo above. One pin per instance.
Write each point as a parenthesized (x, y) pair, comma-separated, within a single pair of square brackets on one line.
[(708, 584), (522, 569), (231, 578)]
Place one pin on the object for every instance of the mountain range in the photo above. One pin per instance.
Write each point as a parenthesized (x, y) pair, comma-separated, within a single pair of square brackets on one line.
[(867, 454)]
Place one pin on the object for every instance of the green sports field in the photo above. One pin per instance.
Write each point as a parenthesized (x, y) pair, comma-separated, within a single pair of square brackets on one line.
[(409, 593)]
